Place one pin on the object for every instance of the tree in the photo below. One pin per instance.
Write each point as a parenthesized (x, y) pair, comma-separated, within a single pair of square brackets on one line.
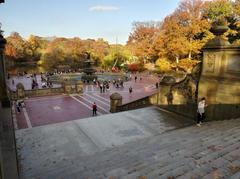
[(171, 41), (218, 8), (98, 49), (190, 18), (53, 58), (163, 65), (15, 47), (117, 57), (35, 46), (140, 41), (184, 32)]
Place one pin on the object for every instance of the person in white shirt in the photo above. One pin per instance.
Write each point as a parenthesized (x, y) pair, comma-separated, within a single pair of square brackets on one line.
[(201, 111)]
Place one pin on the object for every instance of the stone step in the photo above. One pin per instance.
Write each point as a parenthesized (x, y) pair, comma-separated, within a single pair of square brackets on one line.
[(180, 153)]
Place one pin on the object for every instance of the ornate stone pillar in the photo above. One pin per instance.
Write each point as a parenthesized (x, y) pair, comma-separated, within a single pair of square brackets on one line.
[(3, 88), (220, 77), (20, 91), (115, 100), (79, 87), (67, 87)]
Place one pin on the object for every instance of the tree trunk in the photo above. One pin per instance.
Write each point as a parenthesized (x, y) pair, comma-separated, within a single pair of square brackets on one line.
[(190, 55), (177, 61)]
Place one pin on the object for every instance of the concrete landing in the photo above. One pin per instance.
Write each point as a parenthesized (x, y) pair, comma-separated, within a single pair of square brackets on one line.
[(146, 143), (50, 147)]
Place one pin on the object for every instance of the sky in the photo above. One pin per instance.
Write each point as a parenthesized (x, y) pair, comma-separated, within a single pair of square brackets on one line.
[(108, 19)]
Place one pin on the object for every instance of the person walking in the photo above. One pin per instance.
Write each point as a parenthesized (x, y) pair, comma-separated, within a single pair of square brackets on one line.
[(130, 90), (201, 111), (135, 78), (94, 109), (101, 87), (18, 105)]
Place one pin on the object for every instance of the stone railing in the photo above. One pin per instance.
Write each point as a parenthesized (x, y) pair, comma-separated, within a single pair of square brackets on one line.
[(38, 92), (67, 88), (144, 102), (178, 96)]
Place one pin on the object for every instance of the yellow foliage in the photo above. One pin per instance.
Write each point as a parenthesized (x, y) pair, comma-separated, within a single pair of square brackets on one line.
[(40, 62), (187, 64), (149, 66), (163, 65)]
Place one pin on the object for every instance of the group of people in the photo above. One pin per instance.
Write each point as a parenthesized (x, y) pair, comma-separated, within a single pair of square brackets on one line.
[(105, 85), (46, 83), (118, 83)]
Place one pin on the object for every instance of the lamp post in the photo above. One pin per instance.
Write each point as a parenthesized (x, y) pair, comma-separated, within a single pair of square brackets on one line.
[(3, 87)]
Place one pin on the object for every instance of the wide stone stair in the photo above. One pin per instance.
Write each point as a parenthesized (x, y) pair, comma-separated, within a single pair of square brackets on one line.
[(210, 151)]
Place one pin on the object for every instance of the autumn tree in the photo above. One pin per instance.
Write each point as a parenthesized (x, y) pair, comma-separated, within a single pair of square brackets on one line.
[(34, 47), (140, 41), (54, 54), (171, 42), (190, 15), (97, 48), (15, 48), (184, 32)]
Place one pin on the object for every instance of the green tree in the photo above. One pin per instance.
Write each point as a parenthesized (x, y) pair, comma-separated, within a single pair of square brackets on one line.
[(218, 8)]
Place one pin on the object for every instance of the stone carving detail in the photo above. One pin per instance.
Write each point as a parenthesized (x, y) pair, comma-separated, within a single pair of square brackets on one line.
[(233, 64), (210, 62), (188, 86)]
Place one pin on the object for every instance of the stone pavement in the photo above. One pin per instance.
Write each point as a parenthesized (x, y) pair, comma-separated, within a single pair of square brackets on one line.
[(144, 143), (54, 109)]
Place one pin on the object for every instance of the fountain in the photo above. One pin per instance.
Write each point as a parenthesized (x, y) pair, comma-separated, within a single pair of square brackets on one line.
[(88, 71), (88, 74)]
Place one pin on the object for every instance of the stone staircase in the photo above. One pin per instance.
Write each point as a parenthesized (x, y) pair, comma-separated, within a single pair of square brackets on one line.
[(210, 151)]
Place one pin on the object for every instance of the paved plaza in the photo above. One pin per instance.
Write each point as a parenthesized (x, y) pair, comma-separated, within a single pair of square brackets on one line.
[(53, 109)]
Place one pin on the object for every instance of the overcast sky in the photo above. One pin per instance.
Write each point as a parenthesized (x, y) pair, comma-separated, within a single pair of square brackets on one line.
[(108, 19)]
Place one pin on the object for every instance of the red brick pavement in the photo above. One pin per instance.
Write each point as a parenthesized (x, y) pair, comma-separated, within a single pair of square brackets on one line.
[(54, 109)]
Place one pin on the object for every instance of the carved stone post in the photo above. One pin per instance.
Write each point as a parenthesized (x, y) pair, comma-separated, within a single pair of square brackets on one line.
[(115, 100), (67, 87), (79, 87), (220, 77), (20, 91)]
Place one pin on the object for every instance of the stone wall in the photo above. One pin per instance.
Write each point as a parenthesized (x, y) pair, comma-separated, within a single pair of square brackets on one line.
[(178, 104), (38, 92), (220, 81), (8, 153), (67, 88), (144, 102)]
